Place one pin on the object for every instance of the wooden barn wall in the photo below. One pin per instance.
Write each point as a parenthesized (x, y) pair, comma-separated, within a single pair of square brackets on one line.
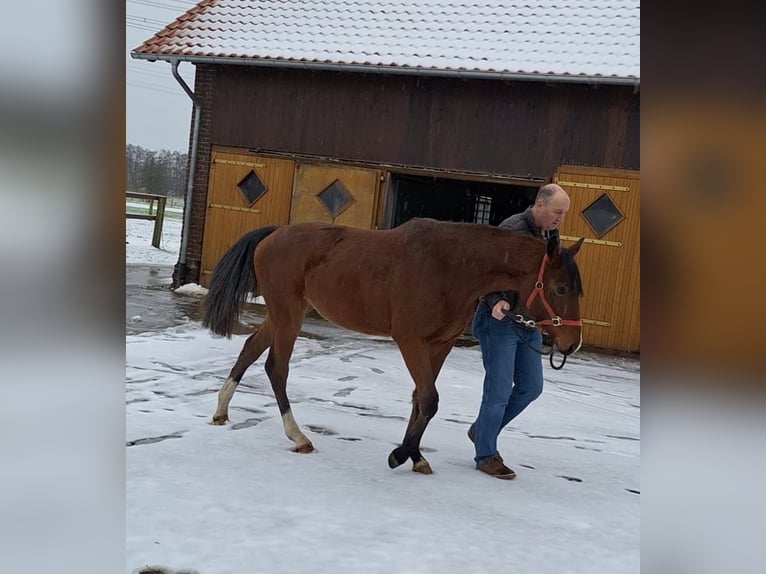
[(498, 127), (610, 263)]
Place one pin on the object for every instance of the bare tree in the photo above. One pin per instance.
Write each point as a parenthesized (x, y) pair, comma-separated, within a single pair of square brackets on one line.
[(160, 173)]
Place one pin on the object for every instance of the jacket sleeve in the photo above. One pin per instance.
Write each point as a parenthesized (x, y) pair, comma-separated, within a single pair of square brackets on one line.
[(512, 297), (514, 223), (491, 299)]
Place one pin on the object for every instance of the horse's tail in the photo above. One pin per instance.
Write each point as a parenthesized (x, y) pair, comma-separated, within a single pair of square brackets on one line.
[(233, 279)]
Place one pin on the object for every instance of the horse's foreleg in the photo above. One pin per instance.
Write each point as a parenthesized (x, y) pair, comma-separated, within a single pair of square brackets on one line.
[(277, 368), (254, 347)]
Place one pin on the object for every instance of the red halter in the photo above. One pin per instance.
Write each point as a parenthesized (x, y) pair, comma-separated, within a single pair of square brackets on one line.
[(555, 320)]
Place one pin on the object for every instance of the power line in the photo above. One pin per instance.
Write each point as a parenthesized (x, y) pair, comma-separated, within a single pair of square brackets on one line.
[(154, 87), (159, 81), (185, 7), (141, 27), (161, 73), (157, 72), (154, 71), (165, 82), (145, 21)]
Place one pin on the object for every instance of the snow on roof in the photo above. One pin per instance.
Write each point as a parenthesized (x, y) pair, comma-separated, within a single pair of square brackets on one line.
[(597, 40)]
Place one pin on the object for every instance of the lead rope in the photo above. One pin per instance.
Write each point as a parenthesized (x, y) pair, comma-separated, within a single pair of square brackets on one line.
[(563, 361), (531, 324)]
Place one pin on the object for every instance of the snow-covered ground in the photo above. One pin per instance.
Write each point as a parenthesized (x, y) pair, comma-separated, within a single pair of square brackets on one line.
[(236, 499), (138, 242)]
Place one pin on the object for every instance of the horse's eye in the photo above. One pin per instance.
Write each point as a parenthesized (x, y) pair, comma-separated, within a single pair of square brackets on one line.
[(561, 290)]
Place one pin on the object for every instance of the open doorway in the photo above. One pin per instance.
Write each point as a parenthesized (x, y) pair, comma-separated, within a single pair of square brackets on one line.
[(454, 200)]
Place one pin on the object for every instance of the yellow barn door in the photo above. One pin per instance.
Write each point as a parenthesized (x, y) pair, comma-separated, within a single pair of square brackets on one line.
[(335, 194), (244, 192), (605, 209)]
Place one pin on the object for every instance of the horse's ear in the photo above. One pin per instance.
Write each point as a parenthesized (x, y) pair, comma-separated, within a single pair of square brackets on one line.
[(576, 247), (553, 245)]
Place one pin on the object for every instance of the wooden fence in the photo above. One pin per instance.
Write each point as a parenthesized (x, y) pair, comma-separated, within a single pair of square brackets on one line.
[(158, 215)]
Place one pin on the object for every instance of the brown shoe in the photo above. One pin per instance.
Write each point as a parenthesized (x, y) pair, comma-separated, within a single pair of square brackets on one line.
[(471, 436), (495, 467)]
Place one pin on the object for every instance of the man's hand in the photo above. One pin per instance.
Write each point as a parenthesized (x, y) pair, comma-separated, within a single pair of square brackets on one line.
[(500, 309)]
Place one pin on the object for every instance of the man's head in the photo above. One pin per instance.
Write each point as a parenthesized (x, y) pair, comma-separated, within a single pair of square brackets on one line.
[(551, 205)]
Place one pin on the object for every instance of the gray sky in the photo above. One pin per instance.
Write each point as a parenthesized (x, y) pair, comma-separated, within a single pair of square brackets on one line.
[(157, 110)]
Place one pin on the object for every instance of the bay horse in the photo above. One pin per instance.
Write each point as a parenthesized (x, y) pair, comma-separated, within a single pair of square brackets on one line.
[(417, 283)]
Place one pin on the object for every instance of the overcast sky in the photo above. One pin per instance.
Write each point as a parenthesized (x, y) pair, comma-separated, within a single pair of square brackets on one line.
[(158, 111)]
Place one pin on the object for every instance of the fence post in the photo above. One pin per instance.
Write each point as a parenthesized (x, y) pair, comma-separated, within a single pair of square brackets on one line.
[(157, 237)]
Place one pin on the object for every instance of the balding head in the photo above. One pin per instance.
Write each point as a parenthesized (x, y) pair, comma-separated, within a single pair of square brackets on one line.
[(550, 191), (551, 205)]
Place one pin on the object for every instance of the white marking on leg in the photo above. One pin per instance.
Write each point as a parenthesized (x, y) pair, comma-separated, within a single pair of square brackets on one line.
[(224, 398), (293, 432)]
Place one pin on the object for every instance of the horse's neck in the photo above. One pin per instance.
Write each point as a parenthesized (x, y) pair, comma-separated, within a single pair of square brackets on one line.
[(505, 267), (476, 259)]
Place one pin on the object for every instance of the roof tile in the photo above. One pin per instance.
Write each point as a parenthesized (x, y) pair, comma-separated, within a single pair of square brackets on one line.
[(599, 38)]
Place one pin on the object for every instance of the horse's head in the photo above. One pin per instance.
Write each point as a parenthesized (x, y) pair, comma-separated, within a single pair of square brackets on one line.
[(554, 301)]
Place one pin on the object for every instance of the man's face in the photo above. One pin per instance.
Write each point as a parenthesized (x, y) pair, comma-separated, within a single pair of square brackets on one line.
[(551, 214)]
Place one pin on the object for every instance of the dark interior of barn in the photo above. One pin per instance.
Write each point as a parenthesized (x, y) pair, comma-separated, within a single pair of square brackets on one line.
[(455, 200)]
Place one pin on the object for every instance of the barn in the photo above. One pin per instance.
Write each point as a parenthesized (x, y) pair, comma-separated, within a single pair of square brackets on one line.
[(367, 114)]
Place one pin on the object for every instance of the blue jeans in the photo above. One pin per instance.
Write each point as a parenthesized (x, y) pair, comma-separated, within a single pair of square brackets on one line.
[(513, 375)]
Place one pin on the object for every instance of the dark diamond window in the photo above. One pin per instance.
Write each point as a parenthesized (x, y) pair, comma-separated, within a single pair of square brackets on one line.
[(602, 215), (336, 198), (252, 187)]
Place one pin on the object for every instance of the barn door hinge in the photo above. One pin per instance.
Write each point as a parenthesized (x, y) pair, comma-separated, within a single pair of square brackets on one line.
[(242, 163), (595, 322), (562, 183), (596, 241), (233, 208)]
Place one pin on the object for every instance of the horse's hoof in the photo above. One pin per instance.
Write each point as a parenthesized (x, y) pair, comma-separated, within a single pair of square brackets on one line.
[(305, 448), (219, 420), (392, 462), (422, 467), (397, 457)]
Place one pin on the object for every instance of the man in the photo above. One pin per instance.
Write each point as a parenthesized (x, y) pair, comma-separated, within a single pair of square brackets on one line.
[(513, 370)]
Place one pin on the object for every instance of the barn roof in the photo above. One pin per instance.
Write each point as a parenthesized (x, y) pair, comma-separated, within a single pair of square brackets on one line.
[(556, 40)]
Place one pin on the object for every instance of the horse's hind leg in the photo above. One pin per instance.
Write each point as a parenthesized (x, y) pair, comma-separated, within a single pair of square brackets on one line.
[(401, 454), (277, 368), (254, 347), (425, 402)]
